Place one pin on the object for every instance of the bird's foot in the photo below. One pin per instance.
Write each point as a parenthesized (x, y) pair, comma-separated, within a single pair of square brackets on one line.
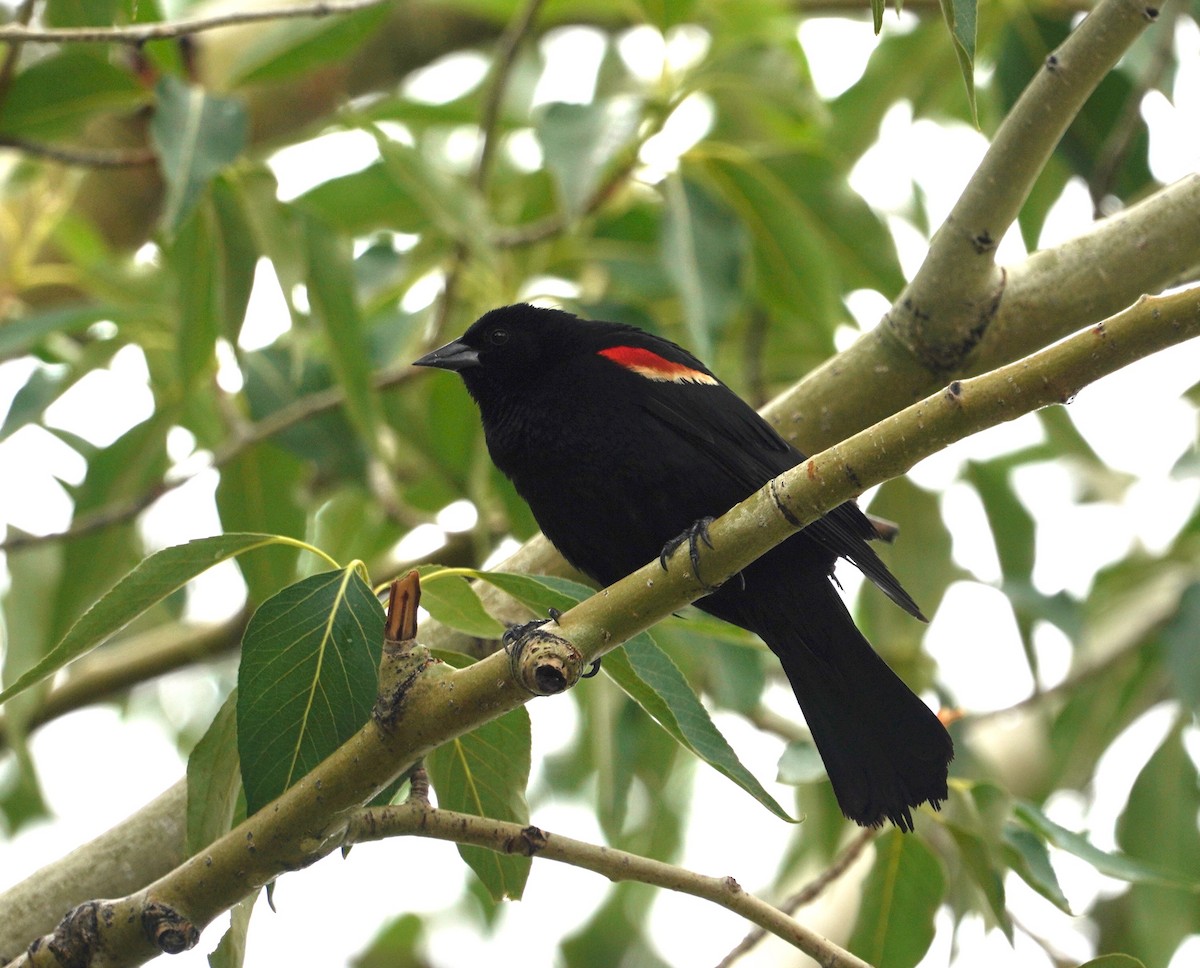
[(514, 633), (693, 535)]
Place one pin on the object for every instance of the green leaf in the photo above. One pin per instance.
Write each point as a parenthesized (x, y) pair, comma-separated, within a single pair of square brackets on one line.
[(237, 254), (196, 135), (22, 335), (258, 493), (539, 593), (451, 600), (1028, 855), (231, 949), (702, 251), (214, 780), (307, 679), (1113, 961), (364, 201), (334, 302), (193, 258), (793, 271), (655, 683), (960, 16), (1181, 656), (394, 946), (1158, 828), (581, 141), (298, 46), (150, 582), (484, 773), (80, 13), (60, 93), (1121, 866), (41, 389), (902, 894)]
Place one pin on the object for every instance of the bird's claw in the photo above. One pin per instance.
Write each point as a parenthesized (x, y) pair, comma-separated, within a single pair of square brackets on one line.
[(514, 633), (693, 535)]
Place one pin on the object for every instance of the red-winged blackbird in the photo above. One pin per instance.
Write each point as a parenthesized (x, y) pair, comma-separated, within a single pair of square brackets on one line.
[(621, 441)]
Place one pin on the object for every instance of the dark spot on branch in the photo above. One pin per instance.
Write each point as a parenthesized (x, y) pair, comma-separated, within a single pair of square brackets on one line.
[(1151, 14), (1052, 63), (76, 937), (954, 391), (983, 242), (783, 508), (852, 476), (167, 929)]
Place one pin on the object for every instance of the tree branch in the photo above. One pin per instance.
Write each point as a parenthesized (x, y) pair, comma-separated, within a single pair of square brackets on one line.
[(809, 892), (944, 313), (134, 34), (84, 157), (421, 820), (137, 659), (427, 704)]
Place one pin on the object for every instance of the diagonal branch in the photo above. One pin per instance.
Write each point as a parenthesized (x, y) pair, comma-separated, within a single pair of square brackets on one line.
[(419, 819), (946, 311), (434, 704)]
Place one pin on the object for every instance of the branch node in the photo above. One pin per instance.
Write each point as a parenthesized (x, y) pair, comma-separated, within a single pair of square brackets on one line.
[(543, 663), (531, 841), (954, 392), (167, 929), (1151, 14), (76, 937)]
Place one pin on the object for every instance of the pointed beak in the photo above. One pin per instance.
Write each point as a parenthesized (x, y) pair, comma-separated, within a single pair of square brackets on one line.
[(453, 356)]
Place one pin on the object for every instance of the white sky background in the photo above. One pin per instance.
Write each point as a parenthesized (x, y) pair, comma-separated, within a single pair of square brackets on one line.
[(383, 880)]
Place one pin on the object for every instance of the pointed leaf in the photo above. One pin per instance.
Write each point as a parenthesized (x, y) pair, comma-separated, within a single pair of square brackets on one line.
[(1113, 961), (214, 779), (307, 679), (196, 135), (149, 583), (230, 951), (451, 600), (484, 773), (331, 292), (580, 141), (60, 93), (702, 251), (960, 18), (655, 683), (1029, 857), (901, 897), (1114, 864)]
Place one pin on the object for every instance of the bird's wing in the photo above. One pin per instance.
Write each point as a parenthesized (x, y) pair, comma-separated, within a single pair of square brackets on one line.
[(747, 448)]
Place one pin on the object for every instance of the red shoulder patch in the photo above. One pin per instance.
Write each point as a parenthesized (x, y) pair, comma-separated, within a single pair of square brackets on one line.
[(650, 365)]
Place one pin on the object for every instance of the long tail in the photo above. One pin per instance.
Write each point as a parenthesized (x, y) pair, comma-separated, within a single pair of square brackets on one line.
[(884, 749)]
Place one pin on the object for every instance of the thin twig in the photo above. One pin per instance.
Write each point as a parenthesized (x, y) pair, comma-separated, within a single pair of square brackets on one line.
[(810, 891), (502, 65), (415, 819), (134, 34), (22, 17), (84, 157)]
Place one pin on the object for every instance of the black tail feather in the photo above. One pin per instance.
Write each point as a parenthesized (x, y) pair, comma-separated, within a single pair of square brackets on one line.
[(886, 752)]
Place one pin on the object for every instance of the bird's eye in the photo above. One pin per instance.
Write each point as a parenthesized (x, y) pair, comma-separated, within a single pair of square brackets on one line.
[(498, 336)]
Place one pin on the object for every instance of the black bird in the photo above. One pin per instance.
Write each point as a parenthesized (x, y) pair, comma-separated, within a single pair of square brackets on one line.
[(621, 442)]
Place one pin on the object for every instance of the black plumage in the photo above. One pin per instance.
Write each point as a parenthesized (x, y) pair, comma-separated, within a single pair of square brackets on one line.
[(620, 441)]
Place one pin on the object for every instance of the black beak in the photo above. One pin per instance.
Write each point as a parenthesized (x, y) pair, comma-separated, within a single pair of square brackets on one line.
[(453, 356)]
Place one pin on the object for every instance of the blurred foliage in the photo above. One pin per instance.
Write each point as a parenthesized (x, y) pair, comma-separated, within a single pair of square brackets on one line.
[(707, 199)]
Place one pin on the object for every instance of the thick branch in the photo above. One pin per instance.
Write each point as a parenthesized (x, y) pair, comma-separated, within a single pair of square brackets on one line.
[(421, 820), (946, 312), (311, 818)]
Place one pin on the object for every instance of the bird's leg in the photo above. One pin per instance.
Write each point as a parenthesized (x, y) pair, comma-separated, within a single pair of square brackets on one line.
[(514, 633), (693, 535)]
